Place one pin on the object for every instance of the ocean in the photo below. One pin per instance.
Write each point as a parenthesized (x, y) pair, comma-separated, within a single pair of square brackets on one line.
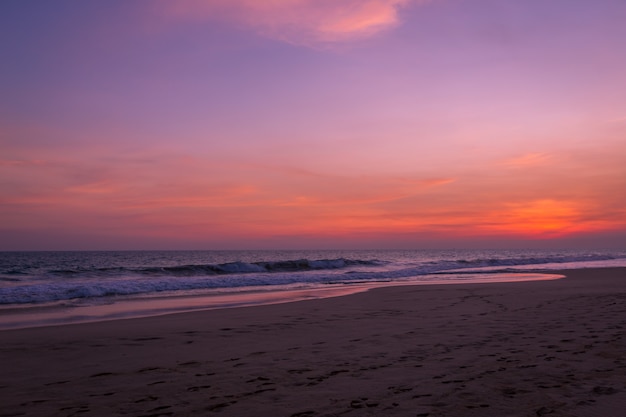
[(42, 288)]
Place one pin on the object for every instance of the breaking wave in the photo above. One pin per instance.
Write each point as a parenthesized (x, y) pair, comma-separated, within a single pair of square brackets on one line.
[(220, 269)]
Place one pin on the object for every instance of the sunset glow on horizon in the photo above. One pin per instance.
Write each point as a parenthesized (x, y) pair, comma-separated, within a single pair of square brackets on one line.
[(239, 124)]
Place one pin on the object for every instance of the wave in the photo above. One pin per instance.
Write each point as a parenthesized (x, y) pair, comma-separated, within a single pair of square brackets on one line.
[(302, 265), (298, 265), (520, 261), (88, 283)]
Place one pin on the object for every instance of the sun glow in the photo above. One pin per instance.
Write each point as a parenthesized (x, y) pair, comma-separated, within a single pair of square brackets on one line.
[(547, 217)]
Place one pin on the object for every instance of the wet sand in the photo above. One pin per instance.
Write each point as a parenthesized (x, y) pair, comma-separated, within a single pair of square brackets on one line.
[(554, 348)]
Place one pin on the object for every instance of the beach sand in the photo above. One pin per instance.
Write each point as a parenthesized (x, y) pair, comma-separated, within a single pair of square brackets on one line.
[(553, 348)]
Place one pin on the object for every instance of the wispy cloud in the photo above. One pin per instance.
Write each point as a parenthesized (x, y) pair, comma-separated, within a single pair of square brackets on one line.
[(302, 22), (527, 160), (95, 188), (20, 162)]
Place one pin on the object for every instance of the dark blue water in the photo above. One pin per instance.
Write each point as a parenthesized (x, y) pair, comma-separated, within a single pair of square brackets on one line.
[(44, 277)]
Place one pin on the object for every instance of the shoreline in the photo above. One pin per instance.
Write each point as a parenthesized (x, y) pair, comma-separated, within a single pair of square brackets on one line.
[(20, 316), (529, 348)]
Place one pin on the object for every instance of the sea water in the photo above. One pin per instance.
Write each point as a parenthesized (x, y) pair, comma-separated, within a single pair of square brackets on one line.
[(38, 288)]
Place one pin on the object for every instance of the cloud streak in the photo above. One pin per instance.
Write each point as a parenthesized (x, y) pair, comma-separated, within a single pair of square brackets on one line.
[(300, 22), (528, 160)]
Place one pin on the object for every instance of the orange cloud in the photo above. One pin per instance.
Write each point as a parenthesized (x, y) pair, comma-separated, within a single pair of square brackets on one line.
[(303, 22), (349, 191)]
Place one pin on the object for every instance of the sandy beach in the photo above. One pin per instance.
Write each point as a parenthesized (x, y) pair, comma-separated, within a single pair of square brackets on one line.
[(554, 348)]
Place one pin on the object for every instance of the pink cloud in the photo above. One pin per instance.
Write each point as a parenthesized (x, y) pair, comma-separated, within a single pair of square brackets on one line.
[(302, 22)]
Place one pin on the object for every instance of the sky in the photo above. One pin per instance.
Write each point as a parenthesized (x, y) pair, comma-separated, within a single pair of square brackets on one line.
[(295, 124)]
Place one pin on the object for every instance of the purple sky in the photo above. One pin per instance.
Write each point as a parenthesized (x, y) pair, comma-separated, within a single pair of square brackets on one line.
[(206, 124)]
